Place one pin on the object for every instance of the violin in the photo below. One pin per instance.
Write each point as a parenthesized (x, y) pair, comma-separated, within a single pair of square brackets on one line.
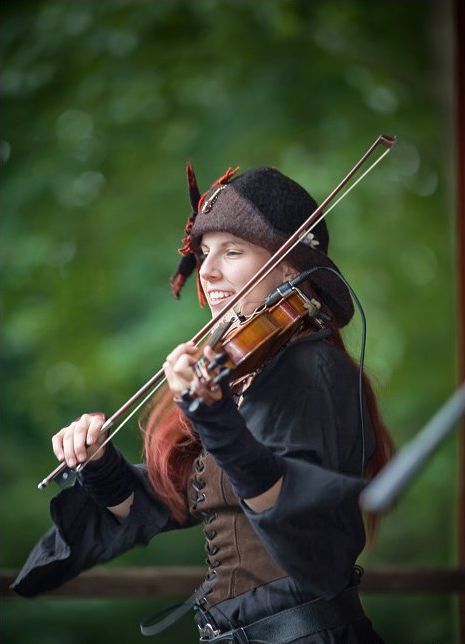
[(254, 340), (260, 337)]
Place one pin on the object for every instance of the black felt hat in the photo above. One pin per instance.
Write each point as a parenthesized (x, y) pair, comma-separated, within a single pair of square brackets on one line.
[(265, 207)]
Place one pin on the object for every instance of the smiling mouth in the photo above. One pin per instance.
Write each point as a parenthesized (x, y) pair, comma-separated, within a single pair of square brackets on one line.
[(218, 297)]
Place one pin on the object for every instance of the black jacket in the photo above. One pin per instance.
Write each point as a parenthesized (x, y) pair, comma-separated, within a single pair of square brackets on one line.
[(304, 405)]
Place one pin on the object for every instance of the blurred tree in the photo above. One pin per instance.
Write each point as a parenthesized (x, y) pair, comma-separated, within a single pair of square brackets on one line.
[(103, 105)]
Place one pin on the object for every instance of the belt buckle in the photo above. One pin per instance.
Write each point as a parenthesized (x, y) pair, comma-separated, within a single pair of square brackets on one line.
[(207, 632)]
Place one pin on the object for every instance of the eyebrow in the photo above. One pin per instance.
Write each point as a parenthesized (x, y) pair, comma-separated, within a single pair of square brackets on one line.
[(235, 240)]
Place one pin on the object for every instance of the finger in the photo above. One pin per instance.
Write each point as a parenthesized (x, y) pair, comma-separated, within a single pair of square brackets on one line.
[(80, 437), (186, 347), (94, 433), (68, 446), (57, 444), (211, 356), (168, 369), (170, 377), (183, 366), (209, 353), (177, 381)]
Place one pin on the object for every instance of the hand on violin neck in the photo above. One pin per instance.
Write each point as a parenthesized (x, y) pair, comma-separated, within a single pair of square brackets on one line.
[(185, 371), (205, 387)]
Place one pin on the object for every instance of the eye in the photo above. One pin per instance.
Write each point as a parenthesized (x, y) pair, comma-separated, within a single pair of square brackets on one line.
[(232, 252)]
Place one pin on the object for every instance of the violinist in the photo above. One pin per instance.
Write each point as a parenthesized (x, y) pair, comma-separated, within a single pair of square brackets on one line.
[(271, 462)]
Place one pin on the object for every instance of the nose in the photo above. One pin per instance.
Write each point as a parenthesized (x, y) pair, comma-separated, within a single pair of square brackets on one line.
[(209, 270)]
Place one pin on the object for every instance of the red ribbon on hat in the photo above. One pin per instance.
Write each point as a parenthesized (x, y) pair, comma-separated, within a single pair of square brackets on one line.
[(189, 262)]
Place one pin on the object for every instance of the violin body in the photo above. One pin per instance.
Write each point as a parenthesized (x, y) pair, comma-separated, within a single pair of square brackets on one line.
[(258, 339)]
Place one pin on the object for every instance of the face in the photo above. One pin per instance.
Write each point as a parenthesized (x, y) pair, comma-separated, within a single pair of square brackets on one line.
[(228, 263)]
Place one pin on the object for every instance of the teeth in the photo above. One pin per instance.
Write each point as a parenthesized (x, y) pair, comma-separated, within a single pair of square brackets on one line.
[(216, 296)]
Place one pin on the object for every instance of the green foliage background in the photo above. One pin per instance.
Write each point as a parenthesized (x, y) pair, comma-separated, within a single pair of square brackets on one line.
[(103, 104)]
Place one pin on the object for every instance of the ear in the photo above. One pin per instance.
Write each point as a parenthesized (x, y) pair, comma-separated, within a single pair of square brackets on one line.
[(289, 271)]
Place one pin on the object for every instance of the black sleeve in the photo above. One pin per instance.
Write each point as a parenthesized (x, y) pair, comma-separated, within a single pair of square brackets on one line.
[(304, 406), (85, 535)]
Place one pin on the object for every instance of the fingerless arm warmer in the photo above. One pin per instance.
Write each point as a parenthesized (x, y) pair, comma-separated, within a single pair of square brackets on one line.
[(251, 467), (108, 480)]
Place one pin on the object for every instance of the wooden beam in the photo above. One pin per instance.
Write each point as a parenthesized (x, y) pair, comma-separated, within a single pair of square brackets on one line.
[(138, 582), (403, 579)]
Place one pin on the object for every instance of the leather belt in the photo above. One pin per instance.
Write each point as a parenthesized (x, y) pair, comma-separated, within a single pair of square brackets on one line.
[(292, 623)]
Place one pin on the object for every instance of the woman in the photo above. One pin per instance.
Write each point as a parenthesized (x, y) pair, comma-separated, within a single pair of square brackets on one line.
[(271, 464)]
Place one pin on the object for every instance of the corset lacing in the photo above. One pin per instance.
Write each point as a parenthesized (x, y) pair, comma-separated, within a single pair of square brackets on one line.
[(198, 484)]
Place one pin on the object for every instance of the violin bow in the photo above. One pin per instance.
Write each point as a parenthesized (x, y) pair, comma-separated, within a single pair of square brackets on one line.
[(154, 383)]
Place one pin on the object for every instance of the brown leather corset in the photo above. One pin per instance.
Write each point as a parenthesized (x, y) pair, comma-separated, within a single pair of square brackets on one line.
[(236, 558)]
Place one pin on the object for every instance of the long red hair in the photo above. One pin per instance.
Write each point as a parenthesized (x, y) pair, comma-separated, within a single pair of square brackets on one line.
[(171, 445), (170, 448)]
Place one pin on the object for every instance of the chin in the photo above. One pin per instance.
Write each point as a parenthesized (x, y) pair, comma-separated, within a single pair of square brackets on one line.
[(216, 308)]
